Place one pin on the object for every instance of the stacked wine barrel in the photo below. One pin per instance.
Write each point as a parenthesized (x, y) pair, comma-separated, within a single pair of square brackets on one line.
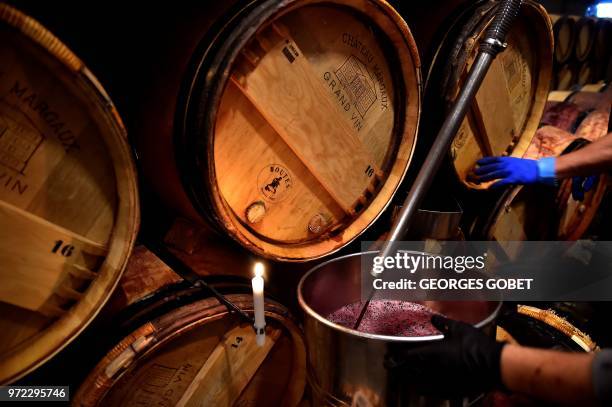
[(299, 126), (68, 200), (582, 50), (179, 346), (303, 135), (285, 125)]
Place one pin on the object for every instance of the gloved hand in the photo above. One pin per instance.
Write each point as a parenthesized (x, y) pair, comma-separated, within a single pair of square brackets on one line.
[(512, 170), (580, 185), (465, 362)]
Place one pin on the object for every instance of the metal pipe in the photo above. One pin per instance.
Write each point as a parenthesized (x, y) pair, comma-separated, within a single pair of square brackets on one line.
[(438, 150), (493, 44), (183, 270)]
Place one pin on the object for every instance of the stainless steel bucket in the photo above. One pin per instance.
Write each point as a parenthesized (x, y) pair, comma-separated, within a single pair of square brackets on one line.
[(435, 222), (345, 365)]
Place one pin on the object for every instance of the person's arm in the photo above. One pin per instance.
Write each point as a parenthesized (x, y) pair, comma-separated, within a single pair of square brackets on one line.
[(595, 158), (468, 361), (559, 377)]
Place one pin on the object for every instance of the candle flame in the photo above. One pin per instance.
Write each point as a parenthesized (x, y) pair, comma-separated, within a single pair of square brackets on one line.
[(258, 269)]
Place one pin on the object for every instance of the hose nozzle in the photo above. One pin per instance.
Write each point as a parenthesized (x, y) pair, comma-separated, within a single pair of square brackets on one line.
[(495, 36)]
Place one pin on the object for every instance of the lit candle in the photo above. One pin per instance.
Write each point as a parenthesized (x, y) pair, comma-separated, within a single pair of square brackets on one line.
[(258, 303)]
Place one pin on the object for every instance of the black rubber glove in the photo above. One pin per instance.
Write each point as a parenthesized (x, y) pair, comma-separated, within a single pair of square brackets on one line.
[(465, 362)]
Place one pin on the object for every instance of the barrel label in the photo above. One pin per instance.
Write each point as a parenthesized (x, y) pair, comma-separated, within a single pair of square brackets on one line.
[(344, 100), (290, 52), (358, 84), (18, 143), (163, 385), (354, 77), (367, 57), (29, 99), (13, 183), (159, 375), (274, 182)]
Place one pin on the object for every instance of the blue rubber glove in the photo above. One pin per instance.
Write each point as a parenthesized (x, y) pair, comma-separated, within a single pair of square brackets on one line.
[(515, 171), (580, 185)]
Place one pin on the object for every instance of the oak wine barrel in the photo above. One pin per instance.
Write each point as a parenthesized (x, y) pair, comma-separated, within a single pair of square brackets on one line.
[(522, 213), (595, 125), (587, 97), (291, 129), (564, 38), (550, 141), (585, 38), (575, 217), (526, 213), (200, 354), (556, 326), (563, 116), (603, 37), (547, 325), (586, 73), (68, 195), (595, 87), (567, 109), (565, 76), (503, 118)]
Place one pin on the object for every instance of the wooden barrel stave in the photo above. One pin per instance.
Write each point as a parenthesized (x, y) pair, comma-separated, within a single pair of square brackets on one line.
[(549, 141), (565, 38), (69, 195), (564, 116), (566, 75), (585, 38), (586, 73), (591, 97), (567, 109), (577, 216), (198, 343), (594, 126)]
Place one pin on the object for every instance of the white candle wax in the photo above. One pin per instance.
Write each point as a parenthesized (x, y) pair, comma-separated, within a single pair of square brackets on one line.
[(258, 301), (258, 304)]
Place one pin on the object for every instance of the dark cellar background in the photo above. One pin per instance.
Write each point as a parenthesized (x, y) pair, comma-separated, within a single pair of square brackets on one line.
[(111, 34)]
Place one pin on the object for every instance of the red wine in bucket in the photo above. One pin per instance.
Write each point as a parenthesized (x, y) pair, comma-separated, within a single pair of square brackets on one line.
[(388, 317)]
